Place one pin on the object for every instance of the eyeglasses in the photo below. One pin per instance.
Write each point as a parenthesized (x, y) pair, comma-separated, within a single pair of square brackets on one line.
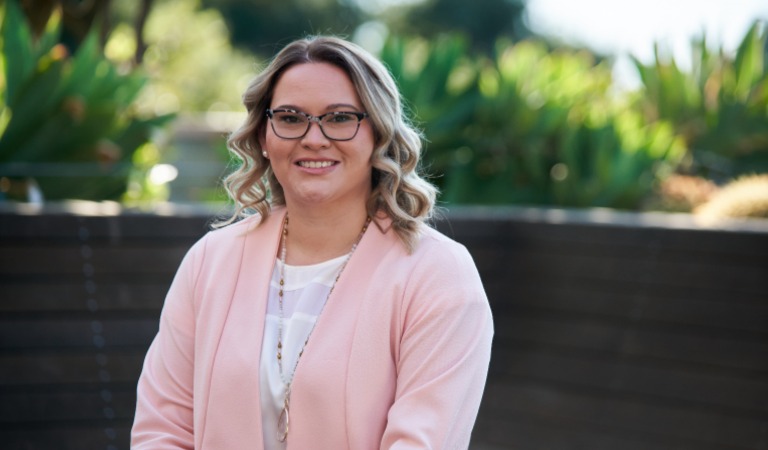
[(335, 125)]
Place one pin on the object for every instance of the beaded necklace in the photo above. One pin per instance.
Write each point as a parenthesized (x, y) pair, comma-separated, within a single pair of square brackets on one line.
[(284, 417)]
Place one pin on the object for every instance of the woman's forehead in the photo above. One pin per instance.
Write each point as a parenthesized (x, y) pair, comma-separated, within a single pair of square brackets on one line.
[(315, 81)]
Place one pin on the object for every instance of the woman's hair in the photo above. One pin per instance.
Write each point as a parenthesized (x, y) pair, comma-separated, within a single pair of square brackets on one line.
[(397, 188)]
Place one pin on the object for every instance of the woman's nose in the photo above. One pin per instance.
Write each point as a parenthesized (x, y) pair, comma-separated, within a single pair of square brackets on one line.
[(315, 134)]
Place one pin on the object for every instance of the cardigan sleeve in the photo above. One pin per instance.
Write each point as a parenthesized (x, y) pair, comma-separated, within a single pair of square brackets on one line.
[(164, 412), (443, 354)]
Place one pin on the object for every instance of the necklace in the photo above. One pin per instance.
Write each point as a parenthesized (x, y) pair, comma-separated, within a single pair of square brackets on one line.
[(283, 419)]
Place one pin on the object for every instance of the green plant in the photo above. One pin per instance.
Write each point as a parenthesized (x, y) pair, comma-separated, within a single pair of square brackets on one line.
[(66, 121), (438, 81), (531, 126), (720, 106), (192, 66), (532, 103)]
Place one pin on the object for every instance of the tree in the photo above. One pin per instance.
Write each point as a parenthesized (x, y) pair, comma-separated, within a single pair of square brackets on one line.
[(482, 21), (263, 26)]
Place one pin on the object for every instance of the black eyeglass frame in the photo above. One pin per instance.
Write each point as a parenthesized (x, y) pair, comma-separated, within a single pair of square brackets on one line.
[(310, 118)]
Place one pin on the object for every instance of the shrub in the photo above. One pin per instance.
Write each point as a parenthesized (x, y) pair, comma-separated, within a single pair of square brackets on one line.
[(530, 126), (66, 120), (720, 106)]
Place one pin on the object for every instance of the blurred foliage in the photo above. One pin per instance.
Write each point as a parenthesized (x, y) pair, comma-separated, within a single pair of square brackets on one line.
[(265, 26), (720, 106), (746, 196), (681, 193), (77, 19), (438, 81), (193, 71), (506, 119), (66, 120), (529, 126), (190, 62), (143, 188), (482, 22)]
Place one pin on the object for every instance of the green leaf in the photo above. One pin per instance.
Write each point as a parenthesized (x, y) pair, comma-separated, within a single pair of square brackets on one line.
[(51, 35), (32, 107), (749, 62), (17, 49)]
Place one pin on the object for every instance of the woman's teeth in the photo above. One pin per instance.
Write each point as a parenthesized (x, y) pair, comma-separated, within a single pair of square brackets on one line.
[(315, 164)]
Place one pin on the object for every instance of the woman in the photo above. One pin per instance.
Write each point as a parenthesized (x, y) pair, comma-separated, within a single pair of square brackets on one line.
[(331, 317)]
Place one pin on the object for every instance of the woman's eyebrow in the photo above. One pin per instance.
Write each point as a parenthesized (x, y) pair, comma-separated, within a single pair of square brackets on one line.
[(341, 105), (293, 107), (330, 107)]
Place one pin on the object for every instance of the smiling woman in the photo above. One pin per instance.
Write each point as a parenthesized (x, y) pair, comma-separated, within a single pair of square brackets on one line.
[(322, 170), (348, 80), (326, 313)]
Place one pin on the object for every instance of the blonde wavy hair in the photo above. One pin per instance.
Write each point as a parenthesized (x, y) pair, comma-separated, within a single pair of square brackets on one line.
[(398, 190)]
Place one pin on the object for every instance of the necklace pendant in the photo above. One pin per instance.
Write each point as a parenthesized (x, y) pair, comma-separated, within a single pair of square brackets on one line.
[(283, 421)]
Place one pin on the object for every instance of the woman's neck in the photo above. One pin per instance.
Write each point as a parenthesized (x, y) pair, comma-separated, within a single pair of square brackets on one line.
[(315, 236)]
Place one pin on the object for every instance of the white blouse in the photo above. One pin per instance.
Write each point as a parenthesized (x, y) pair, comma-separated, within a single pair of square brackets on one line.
[(304, 295)]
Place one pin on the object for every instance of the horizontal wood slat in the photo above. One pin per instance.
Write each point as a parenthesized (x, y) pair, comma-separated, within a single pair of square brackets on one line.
[(634, 377), (105, 434), (667, 343), (60, 368), (66, 296), (636, 306), (137, 258), (25, 408), (54, 333)]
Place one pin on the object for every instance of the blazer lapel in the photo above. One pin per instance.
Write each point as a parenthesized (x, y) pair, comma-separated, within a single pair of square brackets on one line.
[(234, 388)]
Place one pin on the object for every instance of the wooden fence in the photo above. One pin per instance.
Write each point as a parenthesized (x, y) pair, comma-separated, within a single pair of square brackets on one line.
[(613, 331)]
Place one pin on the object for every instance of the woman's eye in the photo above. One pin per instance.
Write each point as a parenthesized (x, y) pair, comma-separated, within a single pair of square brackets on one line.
[(341, 118), (289, 118)]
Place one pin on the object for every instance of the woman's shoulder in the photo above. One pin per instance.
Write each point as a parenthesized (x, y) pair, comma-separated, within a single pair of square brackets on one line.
[(225, 247), (436, 256), (231, 237), (442, 272), (434, 243), (236, 231)]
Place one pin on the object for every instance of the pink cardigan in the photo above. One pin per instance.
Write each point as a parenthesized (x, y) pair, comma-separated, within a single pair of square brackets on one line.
[(398, 359)]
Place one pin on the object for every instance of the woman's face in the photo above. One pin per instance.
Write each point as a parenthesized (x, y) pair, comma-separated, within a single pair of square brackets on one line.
[(314, 170)]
